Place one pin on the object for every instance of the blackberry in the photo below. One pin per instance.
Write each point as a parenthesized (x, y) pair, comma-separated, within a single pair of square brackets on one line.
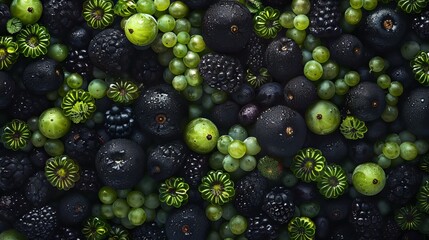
[(255, 49), (278, 205), (4, 17), (38, 190), (402, 183), (78, 62), (110, 51), (38, 223), (149, 231), (195, 167), (119, 121), (261, 227), (366, 219), (325, 18), (59, 16), (420, 25), (15, 169), (67, 233), (146, 69), (38, 157), (222, 72), (88, 181), (81, 144), (391, 230), (12, 206), (25, 105), (249, 193)]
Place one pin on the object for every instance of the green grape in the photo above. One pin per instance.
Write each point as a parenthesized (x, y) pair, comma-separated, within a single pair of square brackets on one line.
[(391, 150), (150, 214), (141, 29), (182, 25), (326, 90), (28, 11), (147, 185), (330, 70), (311, 42), (193, 77), (230, 164), (391, 100), (152, 201), (180, 50), (301, 22), (309, 209), (225, 232), (178, 9), (383, 161), (161, 5), (356, 4), (238, 224), (407, 136), (157, 45), (393, 137), (166, 23), (97, 88), (352, 78), (383, 81), (390, 114), (369, 4), (196, 17), (321, 54), (164, 58), (193, 93), (122, 193), (248, 163), (58, 52), (409, 151), (215, 160), (410, 49), (376, 64), (286, 19), (252, 146), (341, 88), (53, 123), (74, 80), (237, 132), (176, 66), (37, 139), (301, 6), (214, 212), (54, 147), (137, 216), (313, 70), (422, 146), (207, 102), (396, 89), (183, 37), (229, 211), (168, 75), (107, 195), (98, 118), (223, 143), (192, 59), (237, 149), (179, 83), (196, 44), (297, 35), (135, 199), (169, 39), (106, 211), (120, 208), (219, 96), (145, 6), (289, 179), (33, 123), (353, 16)]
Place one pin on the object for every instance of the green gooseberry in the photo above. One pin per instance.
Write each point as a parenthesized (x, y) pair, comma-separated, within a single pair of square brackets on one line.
[(369, 178), (201, 135), (28, 11), (323, 117), (53, 123)]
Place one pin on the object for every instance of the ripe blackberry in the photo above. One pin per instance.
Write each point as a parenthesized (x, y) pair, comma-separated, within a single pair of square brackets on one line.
[(195, 168), (249, 193), (67, 233), (15, 169), (38, 223), (81, 144), (146, 69), (420, 25), (261, 227), (366, 219), (12, 206), (110, 51), (402, 183), (38, 190), (25, 105), (88, 181), (255, 49), (278, 205), (78, 62), (4, 17), (119, 121), (324, 18), (59, 16), (222, 72), (149, 231), (391, 230)]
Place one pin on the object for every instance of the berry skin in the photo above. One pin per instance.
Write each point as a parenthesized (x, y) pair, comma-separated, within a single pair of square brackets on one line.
[(366, 219), (38, 223), (249, 193), (324, 18), (278, 205), (261, 227), (402, 183)]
